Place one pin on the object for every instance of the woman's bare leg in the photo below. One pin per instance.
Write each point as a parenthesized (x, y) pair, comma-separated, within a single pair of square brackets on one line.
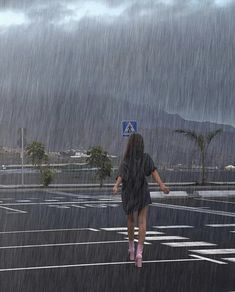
[(142, 222), (130, 226), (142, 231)]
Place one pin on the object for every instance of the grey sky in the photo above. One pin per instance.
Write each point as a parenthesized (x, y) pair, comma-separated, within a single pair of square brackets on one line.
[(175, 54)]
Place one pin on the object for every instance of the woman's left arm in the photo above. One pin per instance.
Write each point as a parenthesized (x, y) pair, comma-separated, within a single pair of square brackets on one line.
[(158, 180)]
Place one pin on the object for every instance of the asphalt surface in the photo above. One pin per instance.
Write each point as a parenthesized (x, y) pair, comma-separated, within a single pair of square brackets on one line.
[(53, 240)]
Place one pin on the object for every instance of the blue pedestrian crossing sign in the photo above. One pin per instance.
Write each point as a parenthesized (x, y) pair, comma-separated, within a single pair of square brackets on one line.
[(128, 127)]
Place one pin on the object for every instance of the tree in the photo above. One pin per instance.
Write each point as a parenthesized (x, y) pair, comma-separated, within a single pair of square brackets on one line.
[(37, 155), (99, 158), (202, 141)]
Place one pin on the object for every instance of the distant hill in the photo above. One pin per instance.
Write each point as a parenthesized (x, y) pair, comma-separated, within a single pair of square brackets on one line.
[(70, 122)]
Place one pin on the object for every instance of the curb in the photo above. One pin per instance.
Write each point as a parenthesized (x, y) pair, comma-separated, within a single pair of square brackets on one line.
[(177, 190)]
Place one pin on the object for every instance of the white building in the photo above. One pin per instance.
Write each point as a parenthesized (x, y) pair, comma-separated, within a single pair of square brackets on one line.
[(230, 167)]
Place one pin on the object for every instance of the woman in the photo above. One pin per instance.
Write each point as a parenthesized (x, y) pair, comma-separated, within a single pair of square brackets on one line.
[(132, 173)]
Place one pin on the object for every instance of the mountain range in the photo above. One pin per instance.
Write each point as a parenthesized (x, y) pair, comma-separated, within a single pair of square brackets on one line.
[(81, 122)]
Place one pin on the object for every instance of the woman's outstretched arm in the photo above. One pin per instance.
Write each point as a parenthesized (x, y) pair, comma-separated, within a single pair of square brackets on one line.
[(158, 180)]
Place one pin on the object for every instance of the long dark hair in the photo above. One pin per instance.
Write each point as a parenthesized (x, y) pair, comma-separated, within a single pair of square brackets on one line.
[(135, 147)]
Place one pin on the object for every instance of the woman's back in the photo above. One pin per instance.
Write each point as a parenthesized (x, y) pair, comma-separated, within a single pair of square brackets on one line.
[(135, 192)]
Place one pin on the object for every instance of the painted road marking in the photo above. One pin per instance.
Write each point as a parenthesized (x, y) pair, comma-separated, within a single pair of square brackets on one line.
[(216, 201), (165, 238), (62, 244), (101, 205), (99, 197), (47, 230), (216, 193), (117, 228), (66, 194), (208, 259), (23, 201), (193, 209), (147, 232), (173, 226), (177, 194), (96, 264), (98, 205), (63, 207), (59, 203), (136, 240), (215, 251), (76, 206), (229, 259), (221, 225), (189, 243), (14, 210)]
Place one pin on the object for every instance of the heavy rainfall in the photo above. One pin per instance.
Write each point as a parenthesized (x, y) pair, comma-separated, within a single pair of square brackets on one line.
[(73, 75)]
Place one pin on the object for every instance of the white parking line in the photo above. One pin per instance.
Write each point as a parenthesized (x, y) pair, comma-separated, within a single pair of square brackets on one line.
[(147, 232), (193, 209), (216, 201), (47, 230), (81, 207), (173, 226), (188, 244), (15, 210), (116, 228), (219, 193), (215, 251), (60, 203), (165, 238), (136, 240), (59, 206), (208, 259), (221, 225), (66, 194), (229, 259), (96, 264), (62, 244)]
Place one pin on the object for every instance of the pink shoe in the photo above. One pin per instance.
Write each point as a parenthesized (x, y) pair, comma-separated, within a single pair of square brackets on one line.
[(138, 261), (131, 254)]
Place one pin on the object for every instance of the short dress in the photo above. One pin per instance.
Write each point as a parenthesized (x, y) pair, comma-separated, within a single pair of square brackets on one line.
[(135, 191)]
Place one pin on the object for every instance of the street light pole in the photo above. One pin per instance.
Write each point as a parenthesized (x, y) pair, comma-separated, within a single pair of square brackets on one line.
[(22, 156)]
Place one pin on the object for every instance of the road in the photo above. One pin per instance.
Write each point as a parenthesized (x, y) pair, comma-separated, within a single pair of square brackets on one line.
[(74, 240)]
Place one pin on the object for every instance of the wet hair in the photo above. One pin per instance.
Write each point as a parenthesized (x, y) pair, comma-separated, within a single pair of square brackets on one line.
[(135, 147)]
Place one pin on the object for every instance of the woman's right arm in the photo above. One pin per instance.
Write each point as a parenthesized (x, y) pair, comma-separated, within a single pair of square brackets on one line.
[(115, 187), (158, 180)]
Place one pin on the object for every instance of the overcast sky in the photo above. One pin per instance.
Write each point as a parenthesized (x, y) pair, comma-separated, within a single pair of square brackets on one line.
[(175, 54)]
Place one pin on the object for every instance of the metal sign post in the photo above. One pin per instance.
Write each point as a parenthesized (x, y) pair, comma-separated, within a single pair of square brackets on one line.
[(21, 143), (22, 156)]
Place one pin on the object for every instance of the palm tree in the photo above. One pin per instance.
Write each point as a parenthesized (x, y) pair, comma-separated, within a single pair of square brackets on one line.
[(202, 141)]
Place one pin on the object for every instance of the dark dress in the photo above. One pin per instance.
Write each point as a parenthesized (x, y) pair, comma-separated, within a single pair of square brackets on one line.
[(135, 191)]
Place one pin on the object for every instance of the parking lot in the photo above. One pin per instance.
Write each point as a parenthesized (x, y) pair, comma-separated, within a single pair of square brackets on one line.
[(53, 240)]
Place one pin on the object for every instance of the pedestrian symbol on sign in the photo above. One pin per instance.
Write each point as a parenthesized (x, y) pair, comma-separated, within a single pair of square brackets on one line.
[(129, 127)]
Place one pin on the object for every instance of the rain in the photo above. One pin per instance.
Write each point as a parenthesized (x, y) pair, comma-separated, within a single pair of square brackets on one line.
[(71, 73)]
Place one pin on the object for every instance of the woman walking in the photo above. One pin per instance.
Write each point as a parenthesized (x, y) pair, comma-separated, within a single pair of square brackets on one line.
[(134, 168)]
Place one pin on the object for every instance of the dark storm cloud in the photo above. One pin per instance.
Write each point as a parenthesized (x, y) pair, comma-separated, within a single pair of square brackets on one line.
[(175, 54)]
